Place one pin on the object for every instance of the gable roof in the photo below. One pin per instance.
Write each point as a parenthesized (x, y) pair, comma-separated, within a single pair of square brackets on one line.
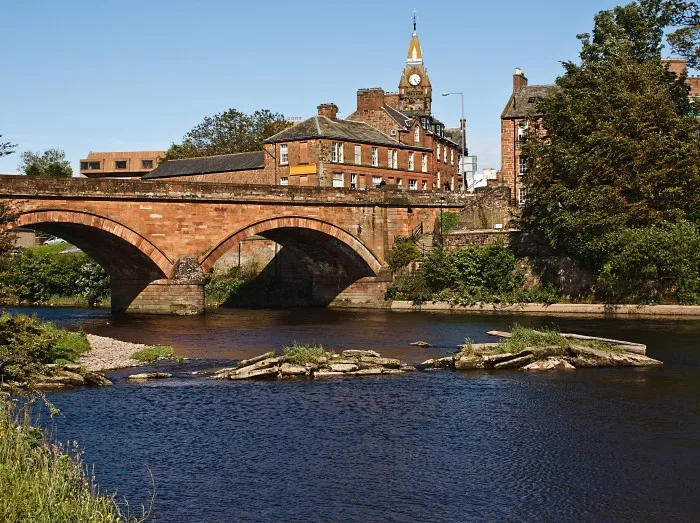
[(344, 130), (400, 118), (524, 102), (209, 164)]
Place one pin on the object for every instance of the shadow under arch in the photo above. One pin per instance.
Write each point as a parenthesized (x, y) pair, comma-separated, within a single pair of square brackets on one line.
[(318, 260), (130, 259)]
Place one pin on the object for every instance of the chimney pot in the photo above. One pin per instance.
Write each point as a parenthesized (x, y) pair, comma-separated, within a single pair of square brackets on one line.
[(328, 110), (519, 80)]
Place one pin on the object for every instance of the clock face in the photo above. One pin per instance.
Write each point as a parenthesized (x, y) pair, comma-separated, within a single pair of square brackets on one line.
[(414, 79)]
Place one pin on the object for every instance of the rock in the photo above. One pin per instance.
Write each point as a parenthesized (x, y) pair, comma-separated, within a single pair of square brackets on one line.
[(343, 367), (371, 371), (360, 353), (49, 385), (589, 357), (407, 368), (392, 372), (73, 378), (500, 334), (256, 359), (287, 369), (421, 344), (72, 367), (549, 364), (226, 370), (384, 362), (150, 376), (479, 349), (267, 372), (541, 353), (329, 374), (514, 363), (260, 364), (494, 359), (95, 379), (349, 361), (440, 363), (469, 363)]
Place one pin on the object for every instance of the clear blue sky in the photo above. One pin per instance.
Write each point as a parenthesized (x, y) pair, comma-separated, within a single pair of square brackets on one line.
[(137, 75)]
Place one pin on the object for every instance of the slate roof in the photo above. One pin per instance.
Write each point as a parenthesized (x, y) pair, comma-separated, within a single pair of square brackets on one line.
[(400, 118), (523, 104), (209, 164), (345, 130)]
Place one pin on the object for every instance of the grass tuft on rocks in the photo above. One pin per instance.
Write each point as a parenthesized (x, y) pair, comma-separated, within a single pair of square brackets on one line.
[(41, 482), (523, 338), (155, 353), (300, 354)]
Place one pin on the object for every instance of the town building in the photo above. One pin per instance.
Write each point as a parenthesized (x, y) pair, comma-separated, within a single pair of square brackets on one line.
[(132, 164)]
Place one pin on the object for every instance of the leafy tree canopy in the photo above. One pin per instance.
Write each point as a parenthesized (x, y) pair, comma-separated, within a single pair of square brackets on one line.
[(229, 132), (51, 163)]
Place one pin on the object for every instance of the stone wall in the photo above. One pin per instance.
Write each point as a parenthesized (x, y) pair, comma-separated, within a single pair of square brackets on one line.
[(490, 208)]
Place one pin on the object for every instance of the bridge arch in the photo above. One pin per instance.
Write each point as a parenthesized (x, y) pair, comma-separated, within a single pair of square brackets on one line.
[(123, 253), (289, 230)]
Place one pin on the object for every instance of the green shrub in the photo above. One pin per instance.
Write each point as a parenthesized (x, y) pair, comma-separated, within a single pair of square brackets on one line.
[(222, 288), (154, 353), (404, 252), (302, 354), (448, 221), (523, 338)]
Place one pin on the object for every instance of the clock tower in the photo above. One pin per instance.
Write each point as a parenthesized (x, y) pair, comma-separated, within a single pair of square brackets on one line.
[(415, 91)]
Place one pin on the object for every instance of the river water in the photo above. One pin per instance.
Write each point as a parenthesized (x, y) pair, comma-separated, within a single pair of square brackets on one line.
[(586, 445)]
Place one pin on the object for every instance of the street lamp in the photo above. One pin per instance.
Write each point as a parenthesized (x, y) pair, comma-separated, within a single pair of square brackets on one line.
[(463, 125), (442, 225)]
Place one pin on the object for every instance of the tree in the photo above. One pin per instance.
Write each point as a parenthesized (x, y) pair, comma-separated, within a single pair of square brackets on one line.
[(616, 148), (50, 164), (228, 132), (6, 147)]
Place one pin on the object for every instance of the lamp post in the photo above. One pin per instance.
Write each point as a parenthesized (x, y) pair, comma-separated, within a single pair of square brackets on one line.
[(442, 225), (463, 126)]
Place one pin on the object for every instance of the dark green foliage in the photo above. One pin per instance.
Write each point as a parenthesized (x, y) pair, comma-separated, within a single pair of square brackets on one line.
[(27, 344), (412, 287), (223, 288), (300, 354), (228, 132), (51, 163), (649, 264), (617, 151), (449, 221), (404, 252)]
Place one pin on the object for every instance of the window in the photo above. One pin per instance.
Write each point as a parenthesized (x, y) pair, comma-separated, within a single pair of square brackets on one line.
[(522, 165), (424, 185), (399, 182), (376, 181), (358, 155), (393, 132), (284, 154), (146, 164), (522, 196), (341, 153), (338, 180), (83, 166), (353, 181), (410, 161), (395, 157), (375, 157), (438, 152), (438, 180), (304, 152), (444, 154), (452, 156), (413, 185), (389, 158), (522, 131), (424, 163), (416, 135), (94, 166), (337, 156), (120, 164), (284, 180)]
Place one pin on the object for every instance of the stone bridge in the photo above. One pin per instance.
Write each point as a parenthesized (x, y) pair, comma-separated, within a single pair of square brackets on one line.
[(158, 239)]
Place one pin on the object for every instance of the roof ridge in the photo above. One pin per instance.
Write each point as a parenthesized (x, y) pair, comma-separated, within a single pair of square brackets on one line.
[(213, 156)]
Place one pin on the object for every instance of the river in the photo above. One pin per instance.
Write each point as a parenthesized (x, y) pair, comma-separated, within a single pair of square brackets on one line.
[(586, 445)]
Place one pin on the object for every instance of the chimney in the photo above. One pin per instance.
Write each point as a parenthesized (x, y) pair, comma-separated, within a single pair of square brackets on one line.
[(369, 99), (519, 80), (675, 65), (328, 110)]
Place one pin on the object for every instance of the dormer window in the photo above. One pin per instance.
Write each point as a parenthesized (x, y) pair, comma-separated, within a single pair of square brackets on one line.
[(416, 135)]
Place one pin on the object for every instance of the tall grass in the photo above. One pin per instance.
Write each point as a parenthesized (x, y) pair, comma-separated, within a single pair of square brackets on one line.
[(155, 353), (302, 354), (42, 483), (523, 338)]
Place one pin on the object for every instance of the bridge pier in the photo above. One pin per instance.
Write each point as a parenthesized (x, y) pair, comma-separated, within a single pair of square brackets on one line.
[(158, 297)]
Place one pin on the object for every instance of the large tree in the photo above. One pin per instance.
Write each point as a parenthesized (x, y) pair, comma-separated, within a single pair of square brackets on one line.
[(617, 148), (51, 163), (229, 132)]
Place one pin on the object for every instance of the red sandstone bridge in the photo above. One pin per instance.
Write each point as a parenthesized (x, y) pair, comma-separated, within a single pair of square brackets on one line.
[(157, 240)]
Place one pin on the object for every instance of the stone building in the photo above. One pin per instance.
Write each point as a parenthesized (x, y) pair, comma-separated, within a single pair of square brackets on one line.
[(241, 168), (119, 164)]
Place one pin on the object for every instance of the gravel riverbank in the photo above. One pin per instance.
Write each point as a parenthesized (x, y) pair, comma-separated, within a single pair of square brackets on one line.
[(108, 354)]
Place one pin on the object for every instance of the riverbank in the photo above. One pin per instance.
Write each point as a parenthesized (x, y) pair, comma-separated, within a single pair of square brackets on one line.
[(591, 309)]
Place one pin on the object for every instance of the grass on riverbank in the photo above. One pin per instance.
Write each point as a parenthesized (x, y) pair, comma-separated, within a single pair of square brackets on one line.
[(300, 354), (41, 482), (155, 353)]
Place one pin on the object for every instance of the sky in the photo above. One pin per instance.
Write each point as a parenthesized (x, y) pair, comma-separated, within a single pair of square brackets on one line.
[(137, 75)]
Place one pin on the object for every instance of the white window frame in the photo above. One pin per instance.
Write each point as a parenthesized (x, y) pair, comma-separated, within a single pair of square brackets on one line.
[(399, 182), (334, 153), (438, 152), (389, 158), (410, 161), (376, 180), (416, 135), (523, 126), (424, 185), (522, 195), (353, 181), (375, 156), (522, 165), (341, 153), (284, 180), (284, 154), (424, 163), (338, 177), (412, 184), (452, 156), (395, 159), (444, 154), (358, 155)]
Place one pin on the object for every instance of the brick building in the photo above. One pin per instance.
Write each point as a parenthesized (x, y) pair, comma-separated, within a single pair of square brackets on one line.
[(521, 109), (131, 164)]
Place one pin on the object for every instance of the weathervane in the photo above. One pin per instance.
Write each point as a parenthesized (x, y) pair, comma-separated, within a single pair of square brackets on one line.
[(414, 20)]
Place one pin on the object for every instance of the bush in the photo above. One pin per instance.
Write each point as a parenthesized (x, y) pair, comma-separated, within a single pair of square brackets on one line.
[(27, 344), (449, 221), (404, 252), (302, 354), (651, 264), (222, 288)]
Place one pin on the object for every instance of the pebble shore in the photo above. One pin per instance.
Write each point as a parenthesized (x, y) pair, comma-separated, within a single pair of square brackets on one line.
[(109, 354)]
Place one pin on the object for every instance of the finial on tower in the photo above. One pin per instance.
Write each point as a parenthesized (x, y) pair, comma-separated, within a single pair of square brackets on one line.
[(414, 20)]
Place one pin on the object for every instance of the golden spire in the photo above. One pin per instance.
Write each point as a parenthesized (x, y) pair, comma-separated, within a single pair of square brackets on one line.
[(415, 53)]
